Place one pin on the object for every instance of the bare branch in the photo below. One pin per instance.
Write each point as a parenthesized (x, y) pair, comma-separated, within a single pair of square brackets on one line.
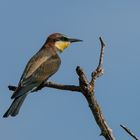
[(52, 85), (129, 132), (89, 93), (101, 60), (99, 70), (12, 88), (82, 77), (62, 87)]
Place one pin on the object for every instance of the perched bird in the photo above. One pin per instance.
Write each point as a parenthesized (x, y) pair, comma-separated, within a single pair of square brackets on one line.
[(40, 67)]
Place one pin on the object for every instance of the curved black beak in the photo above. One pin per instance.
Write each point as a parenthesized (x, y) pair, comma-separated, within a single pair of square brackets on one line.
[(74, 40)]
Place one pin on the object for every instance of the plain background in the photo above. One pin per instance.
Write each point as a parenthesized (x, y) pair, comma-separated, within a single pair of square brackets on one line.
[(54, 114)]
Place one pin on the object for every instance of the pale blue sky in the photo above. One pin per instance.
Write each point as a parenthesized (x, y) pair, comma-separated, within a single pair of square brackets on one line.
[(54, 114)]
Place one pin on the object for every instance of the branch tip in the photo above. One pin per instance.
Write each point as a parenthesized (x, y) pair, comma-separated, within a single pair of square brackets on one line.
[(102, 42), (129, 132), (79, 70), (12, 88)]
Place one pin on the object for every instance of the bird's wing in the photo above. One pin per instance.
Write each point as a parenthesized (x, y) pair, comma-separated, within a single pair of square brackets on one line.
[(34, 63), (45, 70), (37, 71)]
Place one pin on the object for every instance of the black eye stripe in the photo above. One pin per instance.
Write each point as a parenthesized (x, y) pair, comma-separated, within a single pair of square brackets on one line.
[(64, 38)]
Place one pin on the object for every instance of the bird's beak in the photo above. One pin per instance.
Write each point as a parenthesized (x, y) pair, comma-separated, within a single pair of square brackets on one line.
[(71, 40)]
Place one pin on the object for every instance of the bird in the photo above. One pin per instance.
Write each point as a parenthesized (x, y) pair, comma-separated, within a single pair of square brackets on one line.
[(39, 69)]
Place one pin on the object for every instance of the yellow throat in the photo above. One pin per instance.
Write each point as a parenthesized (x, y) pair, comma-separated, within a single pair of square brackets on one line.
[(61, 45)]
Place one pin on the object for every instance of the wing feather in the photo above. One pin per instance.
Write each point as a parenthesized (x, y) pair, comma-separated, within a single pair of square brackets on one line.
[(37, 71)]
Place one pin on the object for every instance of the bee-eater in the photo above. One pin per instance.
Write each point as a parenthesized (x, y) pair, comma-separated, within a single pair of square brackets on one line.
[(40, 67)]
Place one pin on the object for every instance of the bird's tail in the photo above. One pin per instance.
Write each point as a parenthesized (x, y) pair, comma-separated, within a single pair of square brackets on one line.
[(15, 106)]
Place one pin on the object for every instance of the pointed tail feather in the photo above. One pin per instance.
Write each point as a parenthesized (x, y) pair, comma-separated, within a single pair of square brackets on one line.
[(15, 106)]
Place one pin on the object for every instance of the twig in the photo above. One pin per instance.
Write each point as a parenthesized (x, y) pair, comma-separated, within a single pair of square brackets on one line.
[(12, 88), (101, 61), (99, 70), (129, 132), (87, 89)]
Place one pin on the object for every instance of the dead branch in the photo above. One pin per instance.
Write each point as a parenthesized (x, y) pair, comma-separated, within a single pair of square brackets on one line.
[(130, 132), (87, 89)]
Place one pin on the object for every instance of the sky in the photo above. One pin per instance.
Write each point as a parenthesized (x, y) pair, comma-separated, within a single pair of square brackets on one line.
[(55, 114)]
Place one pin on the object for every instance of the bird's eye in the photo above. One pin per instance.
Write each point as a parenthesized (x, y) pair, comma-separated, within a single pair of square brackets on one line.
[(64, 39)]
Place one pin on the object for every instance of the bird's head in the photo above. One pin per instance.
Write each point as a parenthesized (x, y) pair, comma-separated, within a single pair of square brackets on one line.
[(61, 41)]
